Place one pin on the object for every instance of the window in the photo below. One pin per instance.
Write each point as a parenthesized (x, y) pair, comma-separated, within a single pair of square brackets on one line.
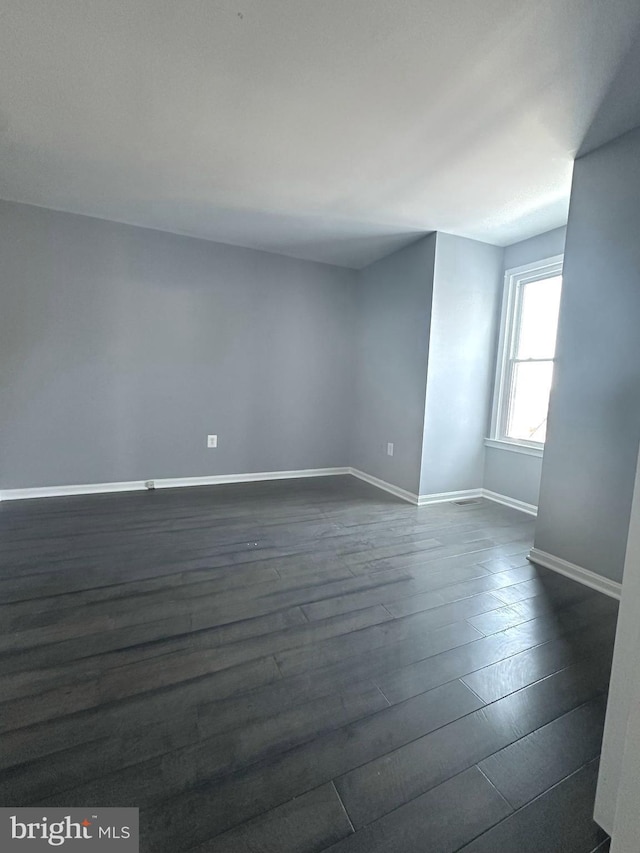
[(526, 353)]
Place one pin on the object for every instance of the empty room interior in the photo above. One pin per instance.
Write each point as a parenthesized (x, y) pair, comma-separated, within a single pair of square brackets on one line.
[(319, 426)]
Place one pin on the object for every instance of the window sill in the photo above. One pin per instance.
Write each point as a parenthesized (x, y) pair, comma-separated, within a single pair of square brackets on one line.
[(513, 447)]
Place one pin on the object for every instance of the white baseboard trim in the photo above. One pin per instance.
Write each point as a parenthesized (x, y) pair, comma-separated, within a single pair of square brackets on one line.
[(221, 479), (164, 483), (576, 573), (386, 487), (444, 497), (447, 497), (411, 497), (505, 500), (61, 491)]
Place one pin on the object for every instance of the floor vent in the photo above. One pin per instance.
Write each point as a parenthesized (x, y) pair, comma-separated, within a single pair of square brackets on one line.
[(466, 501)]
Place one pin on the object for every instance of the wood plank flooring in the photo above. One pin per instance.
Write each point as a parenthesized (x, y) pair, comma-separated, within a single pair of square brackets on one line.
[(300, 666)]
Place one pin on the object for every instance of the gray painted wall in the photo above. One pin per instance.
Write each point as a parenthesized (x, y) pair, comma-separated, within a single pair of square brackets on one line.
[(464, 321), (513, 474), (506, 472), (594, 419), (535, 248), (121, 348), (393, 307)]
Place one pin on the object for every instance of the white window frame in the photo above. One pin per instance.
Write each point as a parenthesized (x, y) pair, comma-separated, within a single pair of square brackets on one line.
[(511, 305)]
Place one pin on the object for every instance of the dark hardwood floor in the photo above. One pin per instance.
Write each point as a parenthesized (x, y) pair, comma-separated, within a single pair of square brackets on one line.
[(300, 666)]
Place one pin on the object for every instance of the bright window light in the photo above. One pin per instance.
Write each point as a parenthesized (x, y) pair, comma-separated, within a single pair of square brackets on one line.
[(527, 351)]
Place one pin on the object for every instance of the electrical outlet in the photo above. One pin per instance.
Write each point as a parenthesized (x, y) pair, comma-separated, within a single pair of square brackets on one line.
[(390, 448), (212, 441)]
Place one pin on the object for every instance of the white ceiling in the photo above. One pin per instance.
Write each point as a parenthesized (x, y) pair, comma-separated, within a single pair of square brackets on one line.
[(335, 130)]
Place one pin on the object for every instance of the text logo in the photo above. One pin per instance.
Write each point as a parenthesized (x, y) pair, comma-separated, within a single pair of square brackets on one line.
[(79, 830)]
